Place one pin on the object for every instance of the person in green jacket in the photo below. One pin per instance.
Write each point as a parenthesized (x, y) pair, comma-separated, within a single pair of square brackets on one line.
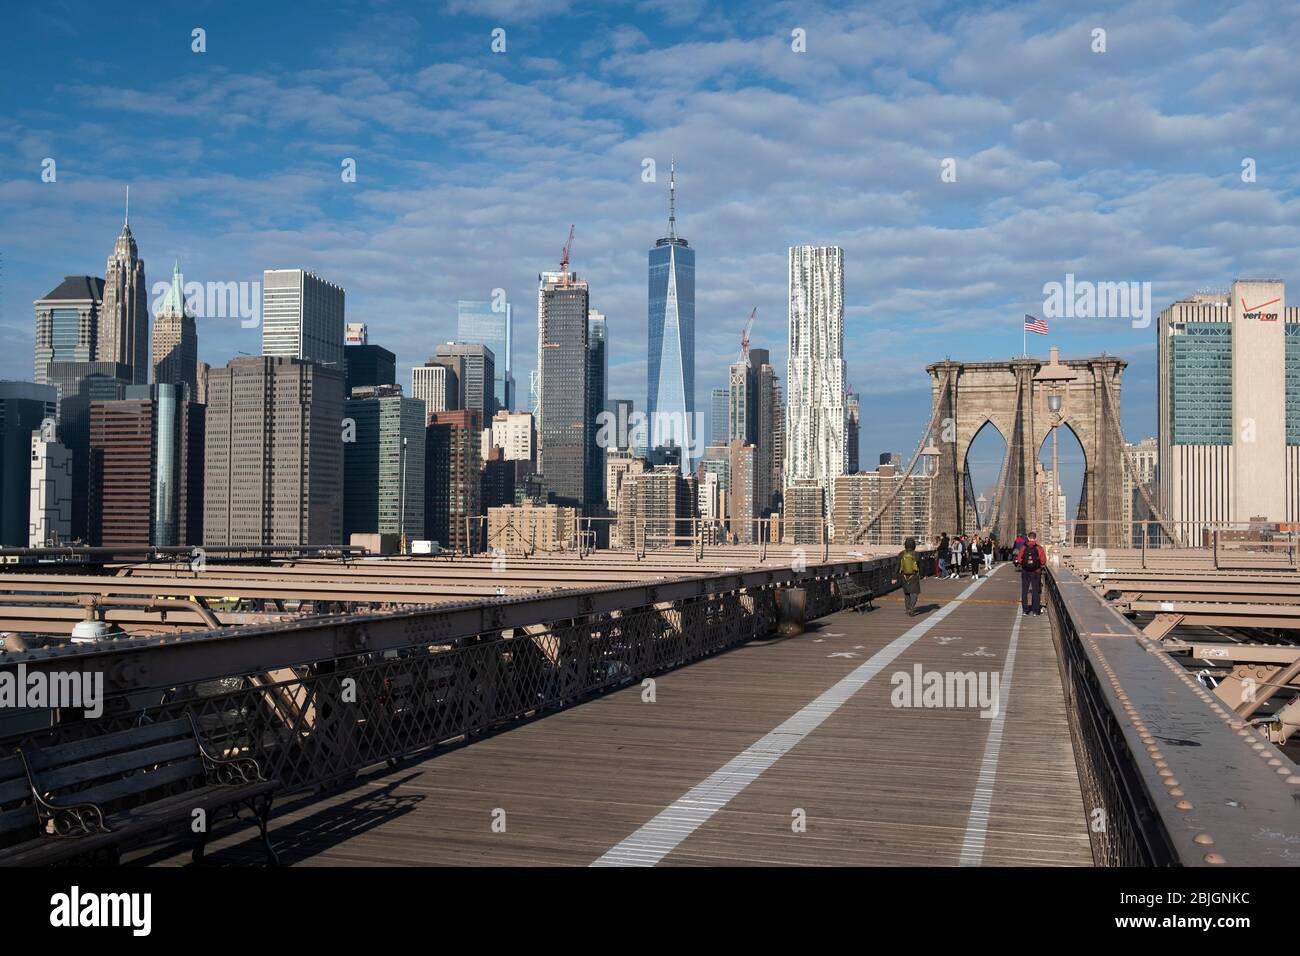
[(909, 572)]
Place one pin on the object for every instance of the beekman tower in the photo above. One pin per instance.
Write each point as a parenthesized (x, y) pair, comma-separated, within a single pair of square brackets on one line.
[(670, 376)]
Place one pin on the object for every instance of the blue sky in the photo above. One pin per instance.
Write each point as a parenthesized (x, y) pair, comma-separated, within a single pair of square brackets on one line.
[(1115, 166)]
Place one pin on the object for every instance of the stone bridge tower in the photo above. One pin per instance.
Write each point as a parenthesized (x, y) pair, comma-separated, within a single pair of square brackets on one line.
[(1013, 397)]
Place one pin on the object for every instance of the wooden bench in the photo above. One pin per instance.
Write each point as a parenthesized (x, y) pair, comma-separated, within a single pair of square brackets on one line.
[(854, 594), (90, 797)]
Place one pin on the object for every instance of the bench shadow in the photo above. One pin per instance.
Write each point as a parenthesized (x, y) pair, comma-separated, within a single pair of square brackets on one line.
[(314, 827)]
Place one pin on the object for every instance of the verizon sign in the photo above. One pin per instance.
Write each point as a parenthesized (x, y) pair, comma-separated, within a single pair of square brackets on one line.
[(1257, 313)]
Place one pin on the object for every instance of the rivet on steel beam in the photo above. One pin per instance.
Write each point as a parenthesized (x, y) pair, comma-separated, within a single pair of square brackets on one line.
[(1183, 805), (1214, 858), (1204, 839)]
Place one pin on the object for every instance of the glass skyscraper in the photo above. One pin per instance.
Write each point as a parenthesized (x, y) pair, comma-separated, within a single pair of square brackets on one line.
[(562, 409), (670, 376), (478, 323), (597, 382)]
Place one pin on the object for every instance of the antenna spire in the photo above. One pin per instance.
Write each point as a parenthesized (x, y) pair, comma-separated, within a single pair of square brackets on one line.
[(672, 198), (127, 221)]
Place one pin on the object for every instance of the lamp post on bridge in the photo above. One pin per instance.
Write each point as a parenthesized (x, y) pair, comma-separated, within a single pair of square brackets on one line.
[(1056, 377)]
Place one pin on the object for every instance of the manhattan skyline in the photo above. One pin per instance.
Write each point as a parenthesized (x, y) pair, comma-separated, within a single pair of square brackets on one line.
[(470, 165)]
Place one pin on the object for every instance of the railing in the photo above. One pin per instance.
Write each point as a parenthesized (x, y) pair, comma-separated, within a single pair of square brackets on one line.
[(319, 699), (1129, 834), (1224, 540), (700, 537)]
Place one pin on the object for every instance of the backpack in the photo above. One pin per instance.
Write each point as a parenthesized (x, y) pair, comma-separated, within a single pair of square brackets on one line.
[(908, 566), (1029, 558)]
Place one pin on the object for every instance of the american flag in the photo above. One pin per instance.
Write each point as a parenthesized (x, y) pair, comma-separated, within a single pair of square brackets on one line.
[(1035, 325)]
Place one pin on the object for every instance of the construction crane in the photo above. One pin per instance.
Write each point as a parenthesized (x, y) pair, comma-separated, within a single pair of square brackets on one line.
[(744, 338), (564, 256)]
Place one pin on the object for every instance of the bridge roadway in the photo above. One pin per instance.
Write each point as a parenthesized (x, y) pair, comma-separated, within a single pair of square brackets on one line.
[(717, 769)]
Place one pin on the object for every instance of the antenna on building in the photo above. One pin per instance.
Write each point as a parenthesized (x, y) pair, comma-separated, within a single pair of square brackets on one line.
[(127, 221), (672, 197)]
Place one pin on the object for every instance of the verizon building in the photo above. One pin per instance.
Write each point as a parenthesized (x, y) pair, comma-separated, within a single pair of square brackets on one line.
[(1229, 399)]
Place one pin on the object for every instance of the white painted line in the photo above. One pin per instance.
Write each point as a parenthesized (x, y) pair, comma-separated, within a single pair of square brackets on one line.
[(972, 848), (654, 841)]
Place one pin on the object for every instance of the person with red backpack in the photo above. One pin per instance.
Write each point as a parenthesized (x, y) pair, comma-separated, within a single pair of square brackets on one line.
[(1030, 559)]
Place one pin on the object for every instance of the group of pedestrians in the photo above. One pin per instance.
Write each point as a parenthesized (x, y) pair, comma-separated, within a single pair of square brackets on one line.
[(963, 554), (953, 556)]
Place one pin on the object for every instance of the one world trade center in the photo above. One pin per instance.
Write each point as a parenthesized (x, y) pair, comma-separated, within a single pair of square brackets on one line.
[(670, 376)]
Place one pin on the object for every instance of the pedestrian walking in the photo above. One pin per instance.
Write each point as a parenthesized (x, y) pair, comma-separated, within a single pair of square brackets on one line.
[(909, 572), (1030, 559)]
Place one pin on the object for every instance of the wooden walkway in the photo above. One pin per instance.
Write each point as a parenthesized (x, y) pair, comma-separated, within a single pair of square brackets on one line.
[(699, 777)]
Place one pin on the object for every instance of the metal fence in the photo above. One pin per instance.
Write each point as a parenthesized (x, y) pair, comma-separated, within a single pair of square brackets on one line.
[(405, 682)]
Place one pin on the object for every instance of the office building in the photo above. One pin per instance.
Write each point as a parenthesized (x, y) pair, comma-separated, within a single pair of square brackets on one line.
[(717, 460), (719, 400), (176, 340), (815, 448), (670, 370), (860, 496), (530, 528), (804, 519), (79, 385), (474, 367), (437, 386), (656, 508), (202, 370), (452, 480), (742, 482), (514, 433), (383, 462), (302, 317), (753, 417), (366, 365), (711, 496), (563, 436), (141, 469), (49, 497), (891, 458), (491, 324), (24, 408), (597, 379), (619, 463), (1229, 408), (620, 412), (123, 335), (67, 323), (498, 479), (356, 333), (852, 427), (274, 453)]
